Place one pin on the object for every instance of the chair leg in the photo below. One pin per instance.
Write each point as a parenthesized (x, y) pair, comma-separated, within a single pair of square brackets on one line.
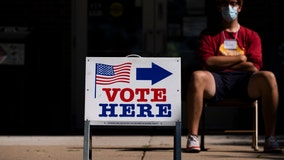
[(256, 126), (202, 143), (202, 146)]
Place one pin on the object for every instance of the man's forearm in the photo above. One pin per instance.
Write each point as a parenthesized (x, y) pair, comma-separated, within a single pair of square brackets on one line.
[(245, 66), (227, 62)]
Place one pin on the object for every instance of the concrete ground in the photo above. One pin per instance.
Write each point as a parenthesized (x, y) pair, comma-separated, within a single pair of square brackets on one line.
[(228, 147)]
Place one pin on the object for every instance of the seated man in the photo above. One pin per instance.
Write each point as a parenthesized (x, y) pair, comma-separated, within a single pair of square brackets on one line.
[(231, 57)]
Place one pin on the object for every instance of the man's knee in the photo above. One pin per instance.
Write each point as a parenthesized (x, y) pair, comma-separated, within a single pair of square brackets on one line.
[(266, 76), (200, 76), (263, 81)]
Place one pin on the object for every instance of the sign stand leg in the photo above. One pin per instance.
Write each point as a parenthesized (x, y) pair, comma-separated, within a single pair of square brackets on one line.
[(87, 141), (177, 141)]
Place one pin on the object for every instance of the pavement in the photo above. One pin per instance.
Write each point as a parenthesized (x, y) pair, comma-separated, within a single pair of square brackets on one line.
[(223, 147)]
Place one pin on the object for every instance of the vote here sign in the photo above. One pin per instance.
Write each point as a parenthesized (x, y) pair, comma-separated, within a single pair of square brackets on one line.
[(133, 91)]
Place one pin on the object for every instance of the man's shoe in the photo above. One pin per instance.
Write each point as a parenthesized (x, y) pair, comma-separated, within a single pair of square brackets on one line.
[(271, 145), (192, 144)]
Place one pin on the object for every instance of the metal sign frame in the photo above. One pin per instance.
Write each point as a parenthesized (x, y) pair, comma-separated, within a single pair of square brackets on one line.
[(168, 114)]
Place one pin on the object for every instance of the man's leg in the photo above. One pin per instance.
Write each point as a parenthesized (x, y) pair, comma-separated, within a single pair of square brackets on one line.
[(263, 84), (201, 85)]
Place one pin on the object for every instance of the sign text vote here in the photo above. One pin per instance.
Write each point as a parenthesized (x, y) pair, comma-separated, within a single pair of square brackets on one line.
[(133, 91)]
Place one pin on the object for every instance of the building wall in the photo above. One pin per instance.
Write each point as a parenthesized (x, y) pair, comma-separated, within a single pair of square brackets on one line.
[(35, 96)]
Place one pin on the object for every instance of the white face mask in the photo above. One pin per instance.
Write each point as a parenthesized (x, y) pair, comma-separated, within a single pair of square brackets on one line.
[(229, 13)]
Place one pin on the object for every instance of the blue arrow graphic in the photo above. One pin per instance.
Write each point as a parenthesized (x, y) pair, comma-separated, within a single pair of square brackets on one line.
[(155, 74)]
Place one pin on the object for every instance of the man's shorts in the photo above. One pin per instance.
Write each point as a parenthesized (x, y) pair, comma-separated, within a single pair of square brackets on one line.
[(231, 84)]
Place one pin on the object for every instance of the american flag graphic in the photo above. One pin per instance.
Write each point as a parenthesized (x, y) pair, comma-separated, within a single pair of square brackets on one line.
[(109, 74)]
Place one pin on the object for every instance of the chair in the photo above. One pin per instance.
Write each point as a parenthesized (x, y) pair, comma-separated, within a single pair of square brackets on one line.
[(233, 103)]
